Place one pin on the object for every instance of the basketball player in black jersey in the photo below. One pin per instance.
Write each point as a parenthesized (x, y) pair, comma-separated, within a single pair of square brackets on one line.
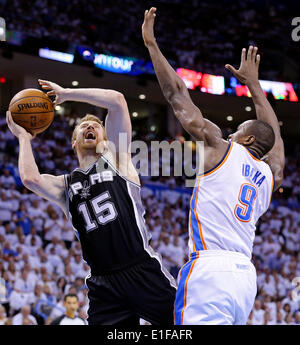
[(102, 199)]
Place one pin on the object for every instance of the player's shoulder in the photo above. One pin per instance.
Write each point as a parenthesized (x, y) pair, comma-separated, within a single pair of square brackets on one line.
[(123, 166)]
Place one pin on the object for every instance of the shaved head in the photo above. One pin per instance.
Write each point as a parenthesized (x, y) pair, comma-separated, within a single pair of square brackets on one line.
[(256, 134)]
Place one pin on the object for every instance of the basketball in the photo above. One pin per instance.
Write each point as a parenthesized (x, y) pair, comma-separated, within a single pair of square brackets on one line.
[(32, 109)]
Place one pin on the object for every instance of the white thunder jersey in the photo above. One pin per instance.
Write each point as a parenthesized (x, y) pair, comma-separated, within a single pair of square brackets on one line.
[(227, 202)]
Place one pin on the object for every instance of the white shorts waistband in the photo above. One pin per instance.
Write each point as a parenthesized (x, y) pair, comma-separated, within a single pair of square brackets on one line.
[(214, 253)]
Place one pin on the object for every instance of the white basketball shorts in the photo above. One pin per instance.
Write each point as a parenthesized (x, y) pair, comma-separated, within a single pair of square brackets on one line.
[(216, 287)]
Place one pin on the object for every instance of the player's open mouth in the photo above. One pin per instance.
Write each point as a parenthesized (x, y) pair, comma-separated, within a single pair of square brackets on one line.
[(89, 136)]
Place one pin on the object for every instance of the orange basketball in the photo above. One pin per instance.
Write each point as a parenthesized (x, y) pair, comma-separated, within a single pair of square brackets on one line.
[(32, 109)]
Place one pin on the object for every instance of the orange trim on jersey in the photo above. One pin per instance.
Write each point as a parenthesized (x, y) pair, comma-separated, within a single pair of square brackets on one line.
[(185, 288), (190, 224), (196, 215), (257, 159), (220, 163), (174, 318)]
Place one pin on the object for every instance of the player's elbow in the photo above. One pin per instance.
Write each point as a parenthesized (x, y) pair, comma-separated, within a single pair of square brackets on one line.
[(119, 99), (174, 92), (278, 179), (30, 181)]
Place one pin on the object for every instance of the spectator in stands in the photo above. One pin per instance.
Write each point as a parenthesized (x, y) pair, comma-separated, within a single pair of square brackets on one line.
[(6, 208), (67, 233), (297, 317), (3, 316), (6, 179), (8, 251), (52, 226), (61, 286), (280, 318), (258, 314), (26, 282), (24, 317), (293, 304), (77, 263), (21, 219), (33, 234), (37, 215)]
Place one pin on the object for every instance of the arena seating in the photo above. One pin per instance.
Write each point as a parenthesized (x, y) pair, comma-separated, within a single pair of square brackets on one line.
[(206, 35)]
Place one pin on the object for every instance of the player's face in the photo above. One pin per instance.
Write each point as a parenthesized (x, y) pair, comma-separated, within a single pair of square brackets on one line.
[(88, 135)]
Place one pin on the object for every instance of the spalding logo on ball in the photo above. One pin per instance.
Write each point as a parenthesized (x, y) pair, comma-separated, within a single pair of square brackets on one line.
[(32, 109)]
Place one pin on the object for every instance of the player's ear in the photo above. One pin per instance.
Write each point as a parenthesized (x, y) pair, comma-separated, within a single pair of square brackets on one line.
[(73, 146), (248, 140)]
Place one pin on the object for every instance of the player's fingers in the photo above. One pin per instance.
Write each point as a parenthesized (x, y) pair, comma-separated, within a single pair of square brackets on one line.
[(249, 53), (41, 81), (47, 87), (243, 56), (51, 93), (255, 49), (55, 101), (46, 83), (152, 12), (9, 120), (7, 117), (257, 60), (230, 68)]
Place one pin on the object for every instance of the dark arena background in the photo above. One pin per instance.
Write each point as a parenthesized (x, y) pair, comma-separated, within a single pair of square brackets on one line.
[(98, 44)]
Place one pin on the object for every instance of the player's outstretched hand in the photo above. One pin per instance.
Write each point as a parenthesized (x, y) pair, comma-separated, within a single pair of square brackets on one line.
[(55, 90), (16, 129), (147, 27), (248, 70)]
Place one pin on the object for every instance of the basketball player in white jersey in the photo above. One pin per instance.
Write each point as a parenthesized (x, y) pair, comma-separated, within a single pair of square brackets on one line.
[(218, 284)]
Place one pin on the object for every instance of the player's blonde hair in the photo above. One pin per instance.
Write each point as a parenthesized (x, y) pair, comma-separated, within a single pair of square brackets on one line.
[(87, 117)]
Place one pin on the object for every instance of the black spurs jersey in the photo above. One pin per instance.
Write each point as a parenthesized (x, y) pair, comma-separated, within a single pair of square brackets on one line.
[(108, 216)]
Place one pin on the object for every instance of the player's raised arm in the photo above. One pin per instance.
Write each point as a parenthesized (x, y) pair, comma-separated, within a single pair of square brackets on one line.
[(47, 186), (117, 120), (248, 74), (175, 90)]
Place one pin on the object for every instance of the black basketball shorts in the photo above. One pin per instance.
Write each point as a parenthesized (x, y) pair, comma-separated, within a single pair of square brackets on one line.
[(125, 296)]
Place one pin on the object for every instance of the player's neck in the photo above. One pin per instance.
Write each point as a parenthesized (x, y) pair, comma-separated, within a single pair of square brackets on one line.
[(255, 151), (87, 159)]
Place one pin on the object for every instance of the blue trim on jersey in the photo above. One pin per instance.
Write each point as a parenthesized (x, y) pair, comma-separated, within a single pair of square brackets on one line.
[(253, 153), (179, 300), (194, 222), (215, 167)]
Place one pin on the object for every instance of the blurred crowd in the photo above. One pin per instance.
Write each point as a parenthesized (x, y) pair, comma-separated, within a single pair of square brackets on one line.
[(207, 34), (41, 261)]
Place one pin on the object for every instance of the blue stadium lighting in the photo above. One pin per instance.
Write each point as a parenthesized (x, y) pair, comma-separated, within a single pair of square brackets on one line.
[(114, 63)]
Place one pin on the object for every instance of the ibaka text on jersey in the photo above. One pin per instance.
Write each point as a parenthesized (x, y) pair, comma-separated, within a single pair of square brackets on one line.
[(253, 174), (104, 176)]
